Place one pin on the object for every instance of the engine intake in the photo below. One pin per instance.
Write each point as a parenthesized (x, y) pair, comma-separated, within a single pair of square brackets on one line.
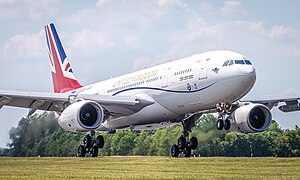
[(251, 118), (88, 115), (82, 116)]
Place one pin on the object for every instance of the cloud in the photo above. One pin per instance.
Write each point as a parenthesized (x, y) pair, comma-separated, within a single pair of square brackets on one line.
[(174, 52), (231, 7), (206, 7), (287, 39), (196, 27), (280, 31), (167, 2), (290, 92), (2, 2), (132, 41), (198, 30), (124, 14), (293, 51), (102, 2), (88, 41), (141, 62), (28, 9), (27, 46), (8, 13), (38, 9)]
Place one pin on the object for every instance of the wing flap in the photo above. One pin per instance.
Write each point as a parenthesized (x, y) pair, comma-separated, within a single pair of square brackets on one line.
[(51, 101), (4, 100), (291, 102), (114, 105)]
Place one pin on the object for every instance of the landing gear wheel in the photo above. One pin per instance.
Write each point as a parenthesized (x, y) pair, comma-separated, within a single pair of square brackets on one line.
[(87, 141), (174, 151), (194, 143), (81, 151), (225, 110), (100, 141), (94, 151), (187, 151), (227, 124), (184, 144), (220, 124), (91, 145), (181, 143)]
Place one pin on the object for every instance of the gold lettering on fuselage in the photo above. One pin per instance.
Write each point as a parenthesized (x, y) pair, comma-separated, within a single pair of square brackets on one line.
[(136, 78)]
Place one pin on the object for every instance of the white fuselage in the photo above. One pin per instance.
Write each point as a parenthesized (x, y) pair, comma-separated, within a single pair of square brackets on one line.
[(185, 86)]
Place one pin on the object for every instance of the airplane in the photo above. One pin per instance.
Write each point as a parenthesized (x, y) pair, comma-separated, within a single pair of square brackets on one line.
[(179, 91)]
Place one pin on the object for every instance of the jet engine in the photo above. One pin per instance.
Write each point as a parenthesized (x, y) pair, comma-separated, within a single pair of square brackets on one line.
[(251, 118), (82, 116)]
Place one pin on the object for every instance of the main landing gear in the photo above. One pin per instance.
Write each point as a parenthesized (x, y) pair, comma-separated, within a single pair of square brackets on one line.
[(224, 109), (90, 145), (184, 144)]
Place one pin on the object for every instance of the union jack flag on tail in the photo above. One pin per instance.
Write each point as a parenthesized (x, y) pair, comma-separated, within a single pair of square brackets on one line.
[(62, 72)]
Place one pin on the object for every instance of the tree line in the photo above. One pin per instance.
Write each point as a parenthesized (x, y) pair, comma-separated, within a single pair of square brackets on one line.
[(40, 135)]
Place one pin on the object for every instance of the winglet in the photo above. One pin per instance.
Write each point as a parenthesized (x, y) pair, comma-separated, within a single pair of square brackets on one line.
[(62, 73)]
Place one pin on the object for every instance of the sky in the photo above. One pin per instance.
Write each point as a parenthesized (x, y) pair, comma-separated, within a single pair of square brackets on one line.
[(107, 38)]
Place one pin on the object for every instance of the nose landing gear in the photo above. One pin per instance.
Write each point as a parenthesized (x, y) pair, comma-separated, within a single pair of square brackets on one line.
[(224, 109)]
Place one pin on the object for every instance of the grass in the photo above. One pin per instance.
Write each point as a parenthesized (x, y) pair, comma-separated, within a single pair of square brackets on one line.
[(149, 168)]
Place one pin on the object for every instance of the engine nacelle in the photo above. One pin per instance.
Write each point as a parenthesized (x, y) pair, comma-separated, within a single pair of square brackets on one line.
[(82, 116), (251, 118)]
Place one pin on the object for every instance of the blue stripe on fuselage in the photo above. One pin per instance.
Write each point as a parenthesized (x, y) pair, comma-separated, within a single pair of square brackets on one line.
[(165, 90)]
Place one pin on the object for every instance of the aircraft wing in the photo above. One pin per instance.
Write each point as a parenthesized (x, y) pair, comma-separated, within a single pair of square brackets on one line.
[(114, 105), (291, 102)]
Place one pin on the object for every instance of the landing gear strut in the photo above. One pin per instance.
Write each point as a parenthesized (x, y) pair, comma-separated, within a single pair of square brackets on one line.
[(90, 145), (224, 108), (184, 144)]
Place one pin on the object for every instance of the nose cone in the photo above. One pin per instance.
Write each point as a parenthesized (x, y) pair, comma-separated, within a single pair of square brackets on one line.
[(248, 75), (251, 73), (251, 76), (247, 70)]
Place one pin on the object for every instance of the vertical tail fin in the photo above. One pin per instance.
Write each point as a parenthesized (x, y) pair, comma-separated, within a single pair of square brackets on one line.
[(62, 73)]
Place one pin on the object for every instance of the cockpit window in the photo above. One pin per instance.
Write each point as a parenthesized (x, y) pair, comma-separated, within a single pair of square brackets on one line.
[(248, 62), (239, 62), (226, 63)]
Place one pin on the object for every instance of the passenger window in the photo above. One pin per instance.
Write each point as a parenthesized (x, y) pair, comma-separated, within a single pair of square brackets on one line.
[(239, 62), (248, 62), (231, 63), (226, 63)]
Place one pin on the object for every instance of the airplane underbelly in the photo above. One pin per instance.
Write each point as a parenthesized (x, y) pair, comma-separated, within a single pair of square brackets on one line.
[(154, 113)]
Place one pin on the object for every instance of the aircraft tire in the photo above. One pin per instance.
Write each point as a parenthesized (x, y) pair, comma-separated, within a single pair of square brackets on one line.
[(174, 151), (94, 151), (181, 143), (187, 151), (81, 151), (220, 124), (100, 141), (227, 124), (194, 143), (87, 141)]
